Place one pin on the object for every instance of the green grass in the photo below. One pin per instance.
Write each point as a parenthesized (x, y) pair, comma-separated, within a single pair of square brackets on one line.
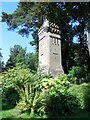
[(13, 113), (10, 111)]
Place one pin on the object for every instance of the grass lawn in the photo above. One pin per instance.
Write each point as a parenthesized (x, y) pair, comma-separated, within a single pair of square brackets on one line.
[(9, 111), (13, 113)]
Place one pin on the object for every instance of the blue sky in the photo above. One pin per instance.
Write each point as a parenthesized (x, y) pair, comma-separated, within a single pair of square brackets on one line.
[(10, 38)]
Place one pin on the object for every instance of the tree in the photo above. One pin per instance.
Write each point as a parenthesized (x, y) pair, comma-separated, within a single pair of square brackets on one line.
[(81, 16), (30, 16), (18, 80), (0, 62), (88, 36), (17, 55), (32, 61)]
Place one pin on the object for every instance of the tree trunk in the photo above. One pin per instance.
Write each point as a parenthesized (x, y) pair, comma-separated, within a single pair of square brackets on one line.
[(88, 39)]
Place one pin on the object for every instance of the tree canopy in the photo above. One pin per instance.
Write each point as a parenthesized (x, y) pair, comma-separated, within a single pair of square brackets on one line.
[(72, 19), (0, 60), (34, 93), (19, 55)]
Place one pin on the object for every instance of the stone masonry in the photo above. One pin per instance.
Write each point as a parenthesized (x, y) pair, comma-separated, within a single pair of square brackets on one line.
[(50, 49)]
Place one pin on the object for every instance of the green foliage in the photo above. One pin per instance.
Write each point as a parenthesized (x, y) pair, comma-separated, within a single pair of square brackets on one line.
[(44, 97), (88, 77), (35, 42), (63, 80), (81, 57), (17, 55), (32, 61), (63, 102), (11, 96), (77, 74), (20, 79), (17, 76), (48, 82), (66, 15), (1, 62), (11, 112), (82, 93), (54, 100), (0, 53)]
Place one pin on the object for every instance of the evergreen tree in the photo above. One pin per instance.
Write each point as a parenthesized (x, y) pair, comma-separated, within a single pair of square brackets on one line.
[(17, 55), (32, 61), (30, 17), (0, 62)]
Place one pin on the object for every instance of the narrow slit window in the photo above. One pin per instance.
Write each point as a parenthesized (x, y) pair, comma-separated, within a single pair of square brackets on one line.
[(55, 41), (58, 42), (52, 40)]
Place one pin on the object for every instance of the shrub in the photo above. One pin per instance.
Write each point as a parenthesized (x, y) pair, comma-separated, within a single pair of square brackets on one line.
[(47, 83), (63, 80), (53, 104), (77, 74), (54, 100), (18, 80), (88, 77), (87, 97), (82, 93), (11, 96)]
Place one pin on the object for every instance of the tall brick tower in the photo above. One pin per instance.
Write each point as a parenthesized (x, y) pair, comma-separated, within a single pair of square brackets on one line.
[(50, 49)]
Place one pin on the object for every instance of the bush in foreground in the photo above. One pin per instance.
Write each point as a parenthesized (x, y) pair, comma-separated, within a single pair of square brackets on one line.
[(82, 93), (54, 100), (45, 97), (78, 75), (17, 83)]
